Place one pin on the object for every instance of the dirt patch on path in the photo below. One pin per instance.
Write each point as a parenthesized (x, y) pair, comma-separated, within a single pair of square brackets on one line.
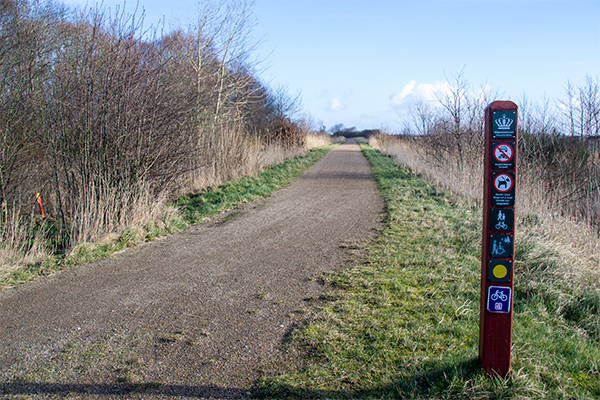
[(195, 315)]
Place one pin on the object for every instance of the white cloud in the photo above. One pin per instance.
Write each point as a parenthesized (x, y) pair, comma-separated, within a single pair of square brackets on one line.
[(423, 91), (406, 91), (336, 105)]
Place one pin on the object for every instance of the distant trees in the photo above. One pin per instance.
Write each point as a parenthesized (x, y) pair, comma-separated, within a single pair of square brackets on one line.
[(352, 132), (337, 129)]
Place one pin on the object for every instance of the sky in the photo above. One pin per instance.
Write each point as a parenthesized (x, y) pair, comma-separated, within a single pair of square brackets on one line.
[(362, 63)]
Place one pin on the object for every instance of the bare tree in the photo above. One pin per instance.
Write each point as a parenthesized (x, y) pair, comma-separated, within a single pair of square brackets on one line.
[(464, 118), (102, 115), (455, 102), (285, 104), (581, 108), (26, 50), (423, 117)]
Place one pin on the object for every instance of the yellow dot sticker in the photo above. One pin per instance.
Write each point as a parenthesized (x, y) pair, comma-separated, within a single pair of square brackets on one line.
[(499, 271)]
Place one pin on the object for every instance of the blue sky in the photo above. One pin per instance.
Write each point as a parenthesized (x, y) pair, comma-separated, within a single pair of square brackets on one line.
[(362, 62)]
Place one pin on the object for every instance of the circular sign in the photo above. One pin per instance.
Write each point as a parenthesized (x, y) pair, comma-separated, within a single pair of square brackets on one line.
[(503, 152), (503, 183), (500, 271)]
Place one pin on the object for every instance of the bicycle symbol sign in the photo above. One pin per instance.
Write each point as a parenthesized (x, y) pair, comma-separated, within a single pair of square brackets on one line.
[(499, 295), (498, 299), (502, 219)]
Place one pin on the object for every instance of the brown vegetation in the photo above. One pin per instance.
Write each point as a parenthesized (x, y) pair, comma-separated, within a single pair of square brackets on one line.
[(559, 163), (107, 119)]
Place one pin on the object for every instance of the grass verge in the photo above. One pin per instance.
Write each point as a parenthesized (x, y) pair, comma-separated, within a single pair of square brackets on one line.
[(174, 217), (404, 323), (232, 194)]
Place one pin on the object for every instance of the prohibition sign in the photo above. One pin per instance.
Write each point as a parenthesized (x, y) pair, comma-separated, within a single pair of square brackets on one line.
[(503, 152), (503, 183)]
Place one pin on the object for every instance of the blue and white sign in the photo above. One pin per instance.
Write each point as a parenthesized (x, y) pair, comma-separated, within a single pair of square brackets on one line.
[(498, 300)]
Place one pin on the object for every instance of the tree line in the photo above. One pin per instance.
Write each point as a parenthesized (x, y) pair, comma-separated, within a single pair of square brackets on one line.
[(102, 114)]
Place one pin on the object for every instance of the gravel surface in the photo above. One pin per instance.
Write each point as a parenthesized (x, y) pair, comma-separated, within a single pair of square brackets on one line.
[(200, 314)]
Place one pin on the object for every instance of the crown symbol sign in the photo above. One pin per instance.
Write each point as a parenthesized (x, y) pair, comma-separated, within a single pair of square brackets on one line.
[(504, 122)]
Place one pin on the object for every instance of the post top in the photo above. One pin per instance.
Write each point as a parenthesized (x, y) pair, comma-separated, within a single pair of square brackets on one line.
[(502, 105)]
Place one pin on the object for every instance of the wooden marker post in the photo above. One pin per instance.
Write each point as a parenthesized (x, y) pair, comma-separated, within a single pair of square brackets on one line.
[(497, 255)]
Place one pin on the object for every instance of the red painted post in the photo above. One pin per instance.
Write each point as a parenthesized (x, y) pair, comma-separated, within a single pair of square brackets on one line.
[(497, 255)]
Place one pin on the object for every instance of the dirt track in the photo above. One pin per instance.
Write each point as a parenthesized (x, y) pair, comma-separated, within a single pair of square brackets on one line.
[(198, 314)]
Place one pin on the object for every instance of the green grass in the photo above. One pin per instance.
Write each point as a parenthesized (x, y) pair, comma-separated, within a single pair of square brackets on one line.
[(184, 212), (405, 323), (246, 189)]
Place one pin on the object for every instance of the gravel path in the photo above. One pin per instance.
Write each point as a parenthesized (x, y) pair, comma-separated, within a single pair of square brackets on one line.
[(201, 314)]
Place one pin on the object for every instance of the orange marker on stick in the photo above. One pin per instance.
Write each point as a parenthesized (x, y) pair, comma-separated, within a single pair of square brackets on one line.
[(39, 201)]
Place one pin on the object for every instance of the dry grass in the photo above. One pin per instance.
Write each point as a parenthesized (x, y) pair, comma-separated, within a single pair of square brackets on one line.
[(149, 216), (321, 139), (240, 155), (20, 242), (466, 182), (553, 231), (13, 259)]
